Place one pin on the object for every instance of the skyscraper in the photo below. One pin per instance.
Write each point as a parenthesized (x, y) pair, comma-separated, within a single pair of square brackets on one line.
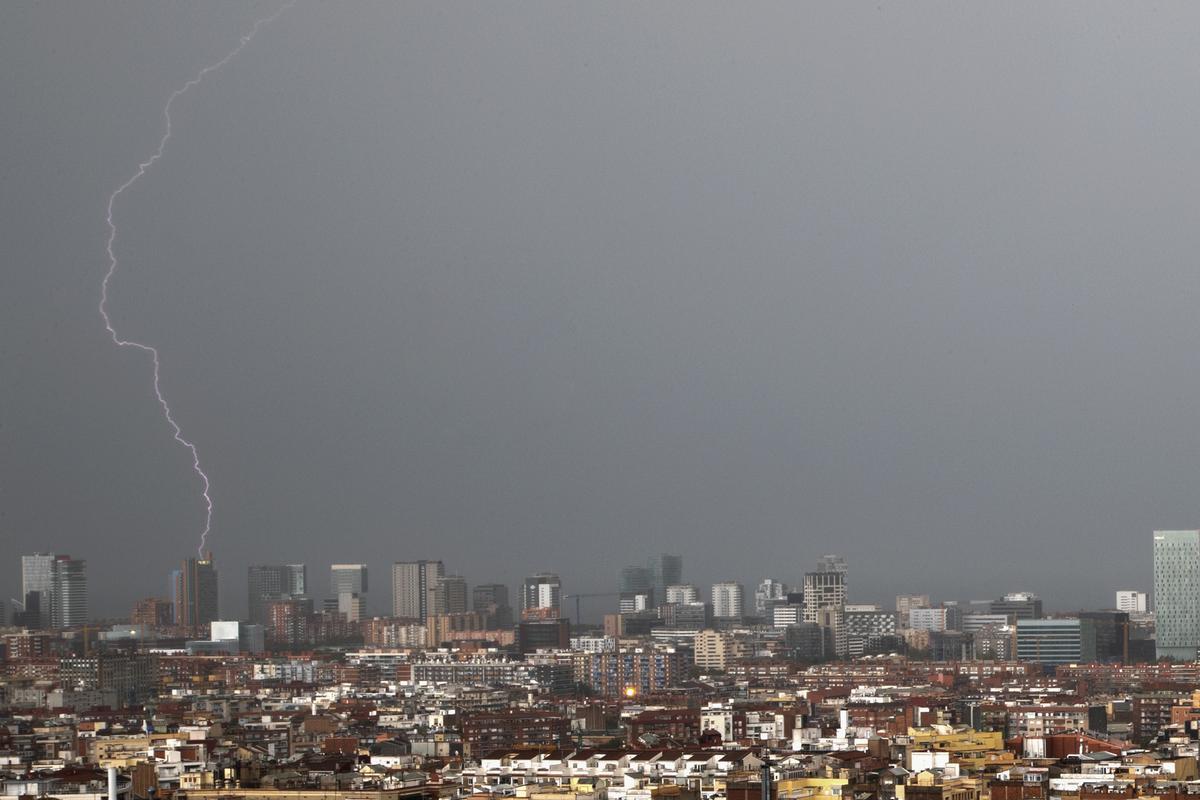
[(196, 596), (727, 599), (542, 591), (69, 600), (636, 580), (492, 599), (53, 591), (1177, 594), (37, 579), (413, 584), (449, 595), (347, 578), (268, 582), (669, 573), (297, 578)]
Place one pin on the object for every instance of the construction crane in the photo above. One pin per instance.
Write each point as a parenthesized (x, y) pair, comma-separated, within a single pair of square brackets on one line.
[(578, 597)]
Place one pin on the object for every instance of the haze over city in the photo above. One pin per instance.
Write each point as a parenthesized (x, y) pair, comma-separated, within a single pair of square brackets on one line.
[(538, 286)]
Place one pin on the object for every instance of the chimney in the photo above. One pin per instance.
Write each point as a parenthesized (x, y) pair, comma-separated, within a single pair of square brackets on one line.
[(112, 783)]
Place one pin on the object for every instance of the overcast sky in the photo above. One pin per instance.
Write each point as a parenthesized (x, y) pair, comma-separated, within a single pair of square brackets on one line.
[(555, 286)]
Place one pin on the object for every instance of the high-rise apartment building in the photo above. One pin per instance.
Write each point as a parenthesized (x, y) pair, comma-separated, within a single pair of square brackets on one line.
[(825, 588), (927, 619), (413, 585), (727, 599), (542, 592), (268, 582), (1131, 601), (1177, 594), (196, 594), (682, 593), (347, 578)]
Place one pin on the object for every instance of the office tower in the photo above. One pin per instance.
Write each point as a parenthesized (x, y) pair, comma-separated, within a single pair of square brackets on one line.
[(492, 599), (825, 588), (347, 578), (669, 573), (413, 584), (636, 580), (68, 593), (1105, 636), (1176, 599), (542, 593), (766, 595), (37, 579), (196, 595), (265, 582), (297, 578), (682, 593), (727, 600), (449, 595), (1018, 606), (1050, 641), (268, 582), (1131, 601)]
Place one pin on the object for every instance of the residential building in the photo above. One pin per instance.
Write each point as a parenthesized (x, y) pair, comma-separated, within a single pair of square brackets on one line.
[(825, 588), (413, 586), (681, 593), (718, 650), (727, 600), (927, 619)]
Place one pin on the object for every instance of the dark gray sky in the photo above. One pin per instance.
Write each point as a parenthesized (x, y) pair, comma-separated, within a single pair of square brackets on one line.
[(559, 286)]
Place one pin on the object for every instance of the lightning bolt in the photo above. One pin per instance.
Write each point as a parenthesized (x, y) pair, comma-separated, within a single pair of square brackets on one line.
[(112, 264)]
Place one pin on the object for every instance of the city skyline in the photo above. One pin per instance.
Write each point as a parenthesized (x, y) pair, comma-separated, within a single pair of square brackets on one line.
[(816, 293)]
